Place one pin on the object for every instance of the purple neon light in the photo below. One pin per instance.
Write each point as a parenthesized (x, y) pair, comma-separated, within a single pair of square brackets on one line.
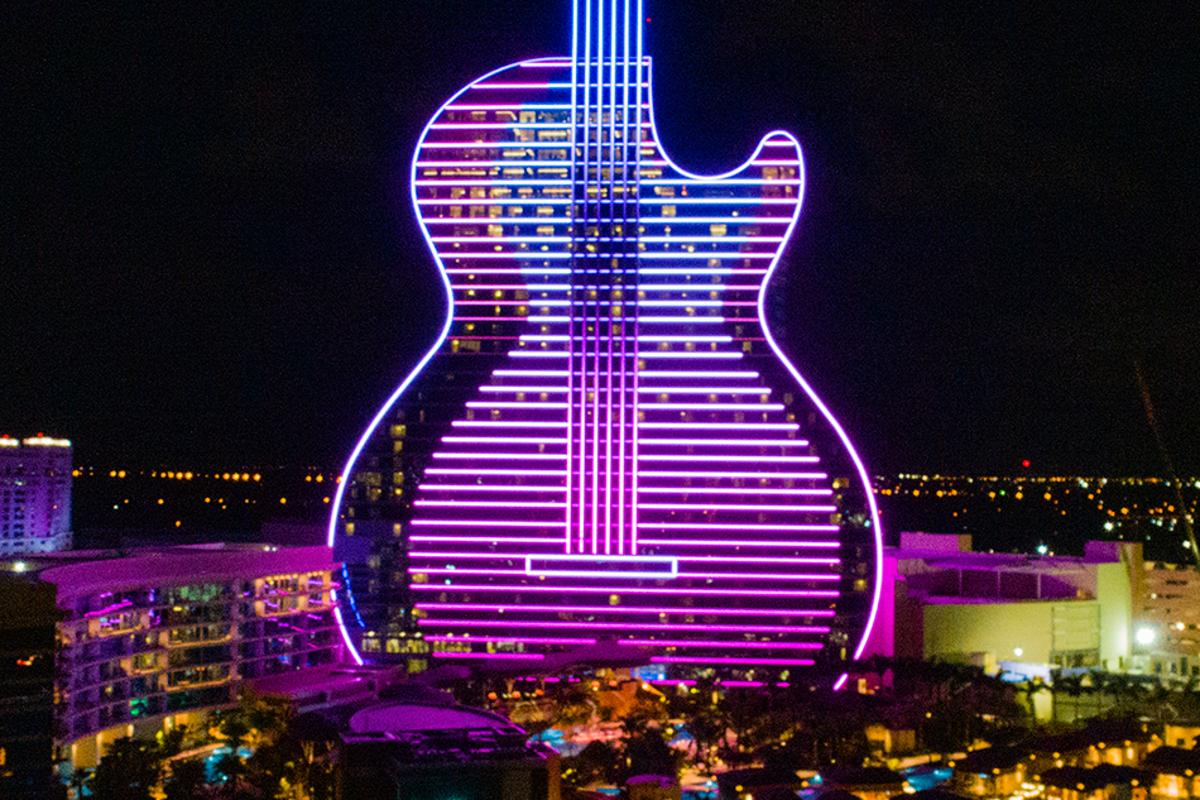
[(739, 576), (491, 656), (620, 626), (635, 590), (721, 643), (776, 662), (545, 413), (513, 639), (530, 608)]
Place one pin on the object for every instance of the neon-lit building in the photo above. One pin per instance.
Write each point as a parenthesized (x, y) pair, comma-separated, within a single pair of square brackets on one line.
[(158, 637), (35, 495), (606, 445), (1023, 613)]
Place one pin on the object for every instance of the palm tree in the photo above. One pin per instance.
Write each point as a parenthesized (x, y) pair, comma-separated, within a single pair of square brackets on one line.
[(129, 771)]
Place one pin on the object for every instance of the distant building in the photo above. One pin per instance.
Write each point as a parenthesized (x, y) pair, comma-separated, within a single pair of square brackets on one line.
[(1167, 639), (1177, 773), (431, 751), (35, 495), (155, 638), (867, 783), (1105, 782)]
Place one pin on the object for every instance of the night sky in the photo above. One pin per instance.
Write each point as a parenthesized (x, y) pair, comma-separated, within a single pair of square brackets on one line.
[(207, 254)]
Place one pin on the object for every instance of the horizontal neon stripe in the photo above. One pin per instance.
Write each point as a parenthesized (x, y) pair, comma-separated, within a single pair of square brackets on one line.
[(510, 639), (758, 490), (708, 577), (795, 662), (732, 644), (498, 423), (627, 589), (679, 373), (651, 626), (513, 472), (752, 407), (481, 504), (719, 426), (472, 487), (501, 456), (702, 507), (733, 543), (727, 459), (490, 656), (521, 608)]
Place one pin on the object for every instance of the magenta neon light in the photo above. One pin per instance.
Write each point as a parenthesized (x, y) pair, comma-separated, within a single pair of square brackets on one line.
[(740, 576), (491, 656), (521, 589), (513, 640), (756, 475), (760, 490), (611, 364), (776, 662), (695, 442), (737, 507), (470, 487), (530, 608), (647, 626), (717, 543), (722, 643)]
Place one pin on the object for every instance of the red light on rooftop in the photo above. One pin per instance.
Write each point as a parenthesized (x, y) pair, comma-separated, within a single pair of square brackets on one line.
[(1026, 463)]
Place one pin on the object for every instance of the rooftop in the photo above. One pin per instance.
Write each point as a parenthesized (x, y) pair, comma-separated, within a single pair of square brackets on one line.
[(1098, 777), (78, 573)]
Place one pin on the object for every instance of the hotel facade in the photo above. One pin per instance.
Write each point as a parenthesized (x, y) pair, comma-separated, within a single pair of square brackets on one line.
[(156, 638), (35, 495)]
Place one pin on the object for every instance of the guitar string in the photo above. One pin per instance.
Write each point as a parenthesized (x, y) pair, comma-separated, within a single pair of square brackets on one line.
[(569, 515), (612, 152), (624, 294), (581, 236), (594, 291), (633, 503)]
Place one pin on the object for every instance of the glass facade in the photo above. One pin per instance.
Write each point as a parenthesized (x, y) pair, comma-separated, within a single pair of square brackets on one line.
[(177, 643), (607, 447)]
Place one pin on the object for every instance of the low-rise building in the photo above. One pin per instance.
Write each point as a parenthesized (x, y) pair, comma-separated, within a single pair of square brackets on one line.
[(1107, 610), (154, 639), (1104, 782), (1004, 611), (869, 783), (1176, 771), (430, 751), (990, 772), (1182, 733)]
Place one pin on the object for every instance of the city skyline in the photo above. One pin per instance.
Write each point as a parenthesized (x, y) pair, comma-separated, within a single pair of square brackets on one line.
[(983, 258), (593, 398)]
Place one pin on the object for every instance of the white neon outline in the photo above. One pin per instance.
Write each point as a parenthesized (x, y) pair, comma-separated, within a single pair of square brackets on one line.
[(770, 139)]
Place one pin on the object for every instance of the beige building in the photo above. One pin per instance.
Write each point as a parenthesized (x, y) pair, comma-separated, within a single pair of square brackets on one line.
[(1008, 612), (1107, 610), (1167, 639)]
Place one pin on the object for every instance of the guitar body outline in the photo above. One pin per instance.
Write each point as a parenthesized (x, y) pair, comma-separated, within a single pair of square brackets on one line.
[(786, 154)]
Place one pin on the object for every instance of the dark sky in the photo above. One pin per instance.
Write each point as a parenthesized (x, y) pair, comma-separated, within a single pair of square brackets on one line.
[(207, 253)]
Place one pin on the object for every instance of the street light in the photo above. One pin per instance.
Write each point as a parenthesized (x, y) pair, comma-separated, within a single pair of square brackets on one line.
[(1145, 636)]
